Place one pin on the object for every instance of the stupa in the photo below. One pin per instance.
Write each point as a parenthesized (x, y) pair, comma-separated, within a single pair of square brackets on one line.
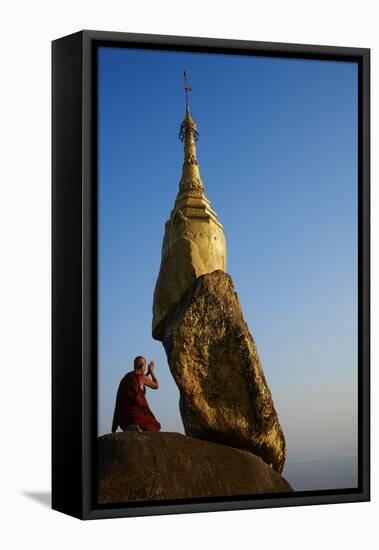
[(194, 241)]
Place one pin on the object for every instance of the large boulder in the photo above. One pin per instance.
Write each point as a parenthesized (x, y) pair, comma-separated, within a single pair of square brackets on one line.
[(212, 356), (162, 466)]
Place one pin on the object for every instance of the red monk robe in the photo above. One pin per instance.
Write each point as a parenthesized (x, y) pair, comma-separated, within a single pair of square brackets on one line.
[(132, 406)]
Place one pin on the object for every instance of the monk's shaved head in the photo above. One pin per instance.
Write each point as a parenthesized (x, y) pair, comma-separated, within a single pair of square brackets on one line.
[(139, 362)]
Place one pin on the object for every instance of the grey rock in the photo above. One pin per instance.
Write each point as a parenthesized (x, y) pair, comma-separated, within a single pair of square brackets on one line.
[(162, 466)]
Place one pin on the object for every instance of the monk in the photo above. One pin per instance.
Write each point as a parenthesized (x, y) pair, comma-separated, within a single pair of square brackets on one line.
[(132, 411)]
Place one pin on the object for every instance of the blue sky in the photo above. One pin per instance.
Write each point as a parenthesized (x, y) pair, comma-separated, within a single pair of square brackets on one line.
[(278, 157)]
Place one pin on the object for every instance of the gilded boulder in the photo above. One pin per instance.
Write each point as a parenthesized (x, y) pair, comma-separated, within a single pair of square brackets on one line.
[(224, 396)]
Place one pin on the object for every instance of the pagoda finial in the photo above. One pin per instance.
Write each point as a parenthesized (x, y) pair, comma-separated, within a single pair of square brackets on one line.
[(189, 135), (187, 89), (188, 129)]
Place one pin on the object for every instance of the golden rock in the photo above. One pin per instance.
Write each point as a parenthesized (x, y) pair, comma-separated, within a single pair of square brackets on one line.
[(224, 396)]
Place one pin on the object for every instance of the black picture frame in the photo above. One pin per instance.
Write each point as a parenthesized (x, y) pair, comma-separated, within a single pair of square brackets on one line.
[(74, 272)]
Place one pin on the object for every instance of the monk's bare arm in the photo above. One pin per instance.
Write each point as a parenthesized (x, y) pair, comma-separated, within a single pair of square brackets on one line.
[(153, 382)]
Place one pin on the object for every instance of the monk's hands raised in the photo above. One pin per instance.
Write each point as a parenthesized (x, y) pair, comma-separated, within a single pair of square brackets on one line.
[(151, 367), (151, 383)]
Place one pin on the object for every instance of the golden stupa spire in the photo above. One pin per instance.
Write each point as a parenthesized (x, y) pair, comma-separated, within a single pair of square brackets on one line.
[(194, 240), (187, 89), (188, 133)]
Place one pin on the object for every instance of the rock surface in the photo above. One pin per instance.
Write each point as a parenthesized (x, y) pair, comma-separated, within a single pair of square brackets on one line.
[(212, 356), (162, 466)]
